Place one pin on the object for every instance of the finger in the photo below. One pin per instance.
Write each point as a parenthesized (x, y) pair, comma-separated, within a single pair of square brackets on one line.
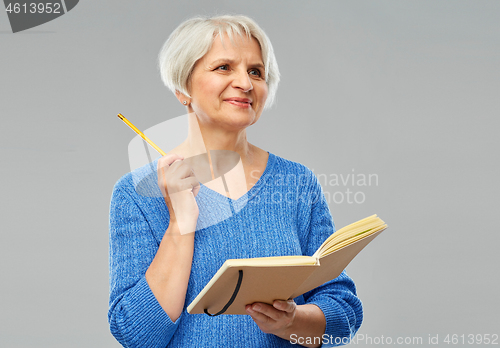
[(181, 170), (258, 316), (175, 165), (185, 171), (188, 184), (183, 185), (267, 310), (167, 160), (286, 306)]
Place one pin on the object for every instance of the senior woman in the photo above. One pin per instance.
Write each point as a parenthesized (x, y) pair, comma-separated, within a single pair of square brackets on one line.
[(224, 71)]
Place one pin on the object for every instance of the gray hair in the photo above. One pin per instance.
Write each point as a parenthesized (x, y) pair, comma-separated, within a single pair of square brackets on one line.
[(193, 38)]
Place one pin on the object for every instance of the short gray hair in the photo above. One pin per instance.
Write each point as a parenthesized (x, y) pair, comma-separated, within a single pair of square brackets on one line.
[(193, 38)]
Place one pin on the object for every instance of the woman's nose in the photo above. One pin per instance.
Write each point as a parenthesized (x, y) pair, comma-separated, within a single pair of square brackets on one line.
[(242, 81)]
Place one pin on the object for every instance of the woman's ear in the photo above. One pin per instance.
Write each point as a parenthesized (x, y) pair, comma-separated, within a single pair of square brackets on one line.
[(181, 97)]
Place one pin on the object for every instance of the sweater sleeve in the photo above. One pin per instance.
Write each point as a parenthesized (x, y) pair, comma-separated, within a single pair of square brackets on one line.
[(135, 317), (336, 298)]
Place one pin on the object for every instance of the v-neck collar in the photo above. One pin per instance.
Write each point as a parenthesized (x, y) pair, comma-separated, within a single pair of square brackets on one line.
[(250, 194)]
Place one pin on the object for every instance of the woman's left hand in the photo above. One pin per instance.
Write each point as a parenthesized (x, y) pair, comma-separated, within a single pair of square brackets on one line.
[(276, 319)]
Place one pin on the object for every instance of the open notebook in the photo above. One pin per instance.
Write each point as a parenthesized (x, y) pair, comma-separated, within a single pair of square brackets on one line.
[(244, 281)]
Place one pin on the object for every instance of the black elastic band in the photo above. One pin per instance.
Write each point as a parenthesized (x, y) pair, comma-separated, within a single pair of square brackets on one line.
[(231, 300)]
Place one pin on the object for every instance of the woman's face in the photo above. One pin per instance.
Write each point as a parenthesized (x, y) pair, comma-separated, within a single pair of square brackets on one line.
[(227, 86)]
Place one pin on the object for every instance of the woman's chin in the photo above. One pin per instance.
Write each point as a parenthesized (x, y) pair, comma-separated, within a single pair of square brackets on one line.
[(237, 122)]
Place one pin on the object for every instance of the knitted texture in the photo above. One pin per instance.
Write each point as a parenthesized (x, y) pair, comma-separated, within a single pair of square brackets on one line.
[(284, 213)]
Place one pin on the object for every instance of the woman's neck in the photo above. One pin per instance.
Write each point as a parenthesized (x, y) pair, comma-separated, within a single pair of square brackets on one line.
[(203, 140)]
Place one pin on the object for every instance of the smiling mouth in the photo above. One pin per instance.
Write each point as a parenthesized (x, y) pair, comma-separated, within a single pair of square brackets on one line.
[(239, 103)]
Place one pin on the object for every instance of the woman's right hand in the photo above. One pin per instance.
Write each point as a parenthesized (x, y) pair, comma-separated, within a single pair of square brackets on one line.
[(179, 187)]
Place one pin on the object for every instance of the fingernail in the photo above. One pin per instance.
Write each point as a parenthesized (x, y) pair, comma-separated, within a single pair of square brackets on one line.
[(257, 307)]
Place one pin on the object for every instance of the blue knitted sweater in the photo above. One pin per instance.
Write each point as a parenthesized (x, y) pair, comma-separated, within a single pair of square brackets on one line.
[(284, 213)]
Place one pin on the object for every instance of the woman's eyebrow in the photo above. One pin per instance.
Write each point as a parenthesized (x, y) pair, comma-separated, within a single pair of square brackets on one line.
[(231, 61), (221, 61), (258, 65)]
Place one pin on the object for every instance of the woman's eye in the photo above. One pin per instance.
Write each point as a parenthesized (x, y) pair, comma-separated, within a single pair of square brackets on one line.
[(255, 72), (224, 67)]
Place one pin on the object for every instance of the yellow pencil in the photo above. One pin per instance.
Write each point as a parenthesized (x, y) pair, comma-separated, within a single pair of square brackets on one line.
[(134, 128)]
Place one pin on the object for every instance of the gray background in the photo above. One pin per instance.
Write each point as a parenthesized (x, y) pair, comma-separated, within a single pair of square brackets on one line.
[(406, 90)]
